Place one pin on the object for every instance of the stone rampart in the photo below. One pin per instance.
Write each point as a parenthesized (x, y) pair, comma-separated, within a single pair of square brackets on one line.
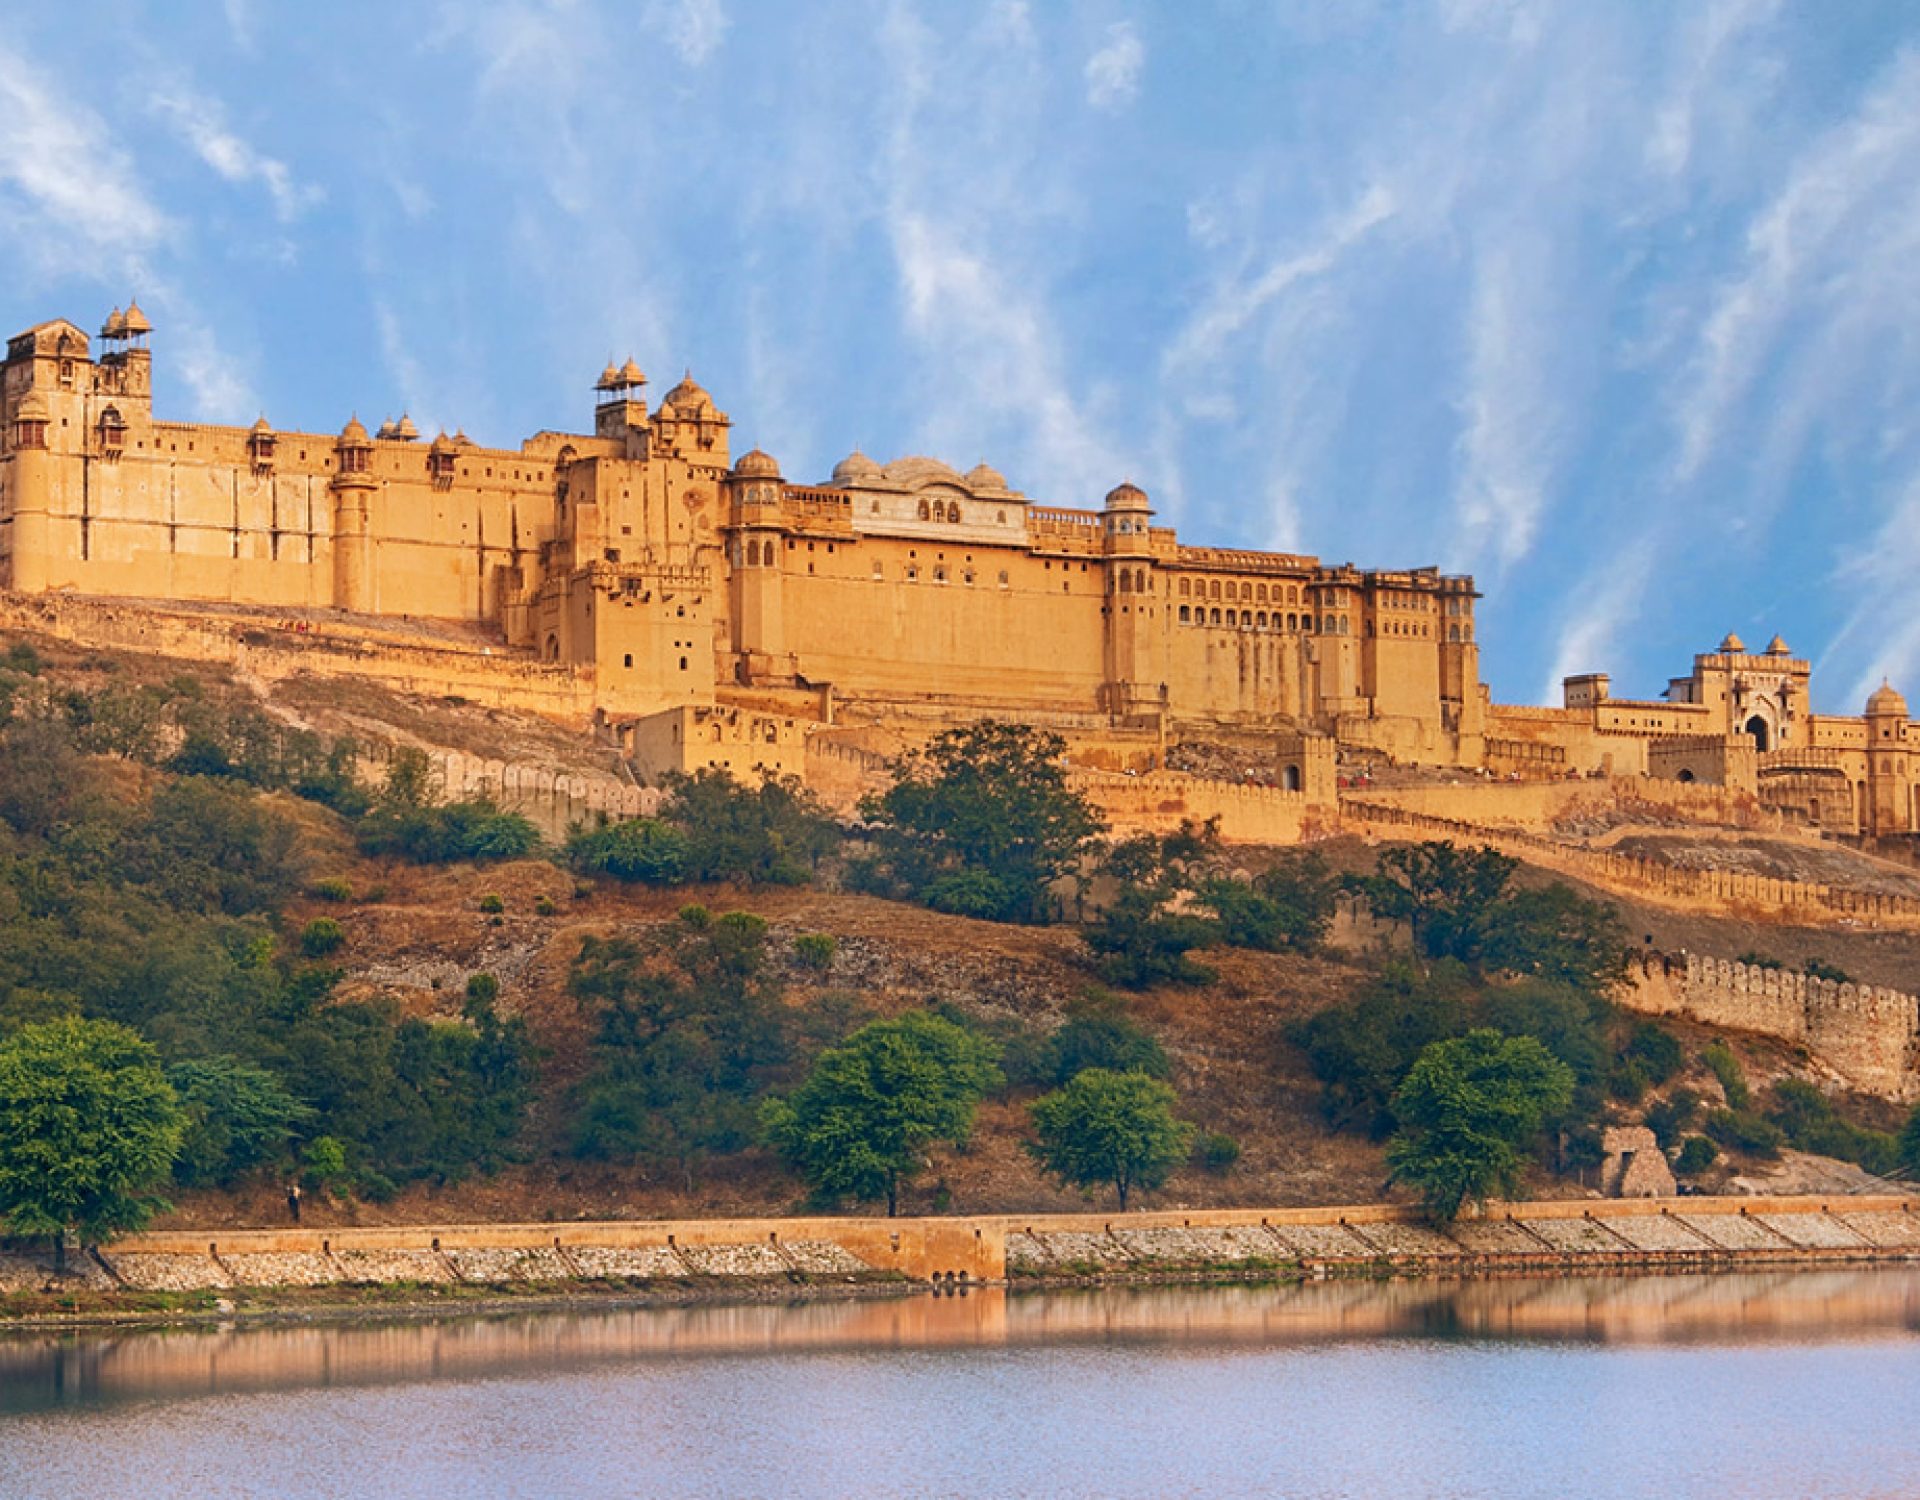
[(552, 800), (1161, 801), (1868, 1035), (1716, 890)]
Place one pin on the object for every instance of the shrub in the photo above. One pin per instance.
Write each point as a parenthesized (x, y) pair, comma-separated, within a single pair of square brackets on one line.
[(1815, 968), (1743, 1130), (815, 950), (543, 906), (483, 988), (491, 903), (334, 888), (1668, 1117), (770, 834), (971, 893), (1697, 1153), (324, 1163), (643, 850), (1098, 1033), (1755, 960), (1812, 1123), (1215, 1153), (320, 937), (1721, 1062), (1656, 1050)]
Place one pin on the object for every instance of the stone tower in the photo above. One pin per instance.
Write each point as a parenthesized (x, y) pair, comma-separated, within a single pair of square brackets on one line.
[(1134, 666), (1889, 796)]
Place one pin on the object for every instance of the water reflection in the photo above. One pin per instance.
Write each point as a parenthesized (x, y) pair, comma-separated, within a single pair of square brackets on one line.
[(42, 1372)]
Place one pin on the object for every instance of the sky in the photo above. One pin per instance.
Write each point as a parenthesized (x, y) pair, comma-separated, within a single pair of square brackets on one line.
[(1614, 304)]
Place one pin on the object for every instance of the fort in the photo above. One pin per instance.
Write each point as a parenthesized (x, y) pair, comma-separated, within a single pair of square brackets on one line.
[(699, 609)]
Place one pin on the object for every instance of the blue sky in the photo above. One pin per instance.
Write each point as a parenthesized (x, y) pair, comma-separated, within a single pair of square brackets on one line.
[(1613, 303)]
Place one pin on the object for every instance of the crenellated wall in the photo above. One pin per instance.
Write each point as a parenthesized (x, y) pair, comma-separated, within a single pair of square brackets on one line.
[(1868, 1035)]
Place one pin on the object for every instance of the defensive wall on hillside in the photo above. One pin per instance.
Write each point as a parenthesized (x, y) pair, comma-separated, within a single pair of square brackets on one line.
[(1868, 1035), (1793, 901), (1573, 1235)]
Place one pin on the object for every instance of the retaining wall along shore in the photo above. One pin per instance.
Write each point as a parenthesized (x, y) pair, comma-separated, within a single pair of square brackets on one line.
[(1575, 1235)]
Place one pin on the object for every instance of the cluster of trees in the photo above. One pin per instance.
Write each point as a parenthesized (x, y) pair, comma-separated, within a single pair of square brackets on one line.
[(712, 828), (1497, 1043), (144, 970), (697, 1058)]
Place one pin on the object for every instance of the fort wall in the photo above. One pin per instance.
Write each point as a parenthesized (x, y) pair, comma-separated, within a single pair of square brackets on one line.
[(1868, 1035), (1719, 891)]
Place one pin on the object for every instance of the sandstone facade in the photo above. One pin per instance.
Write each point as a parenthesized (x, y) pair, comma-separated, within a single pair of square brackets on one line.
[(641, 558)]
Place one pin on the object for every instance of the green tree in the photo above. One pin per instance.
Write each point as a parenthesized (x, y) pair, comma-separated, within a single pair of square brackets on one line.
[(770, 834), (1144, 934), (862, 1121), (1448, 897), (89, 1127), (1113, 1128), (1098, 1033), (1360, 1050), (237, 1118), (1285, 909), (990, 801), (691, 1034), (645, 850), (1468, 1109)]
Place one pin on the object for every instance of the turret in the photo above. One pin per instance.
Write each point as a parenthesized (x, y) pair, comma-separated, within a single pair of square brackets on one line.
[(756, 561), (353, 484), (28, 487), (1890, 797), (620, 410), (1135, 669)]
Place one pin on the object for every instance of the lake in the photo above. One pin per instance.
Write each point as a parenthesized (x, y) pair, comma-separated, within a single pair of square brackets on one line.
[(1775, 1384)]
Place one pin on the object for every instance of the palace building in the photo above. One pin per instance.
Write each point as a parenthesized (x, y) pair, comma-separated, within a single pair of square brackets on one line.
[(709, 610), (642, 553)]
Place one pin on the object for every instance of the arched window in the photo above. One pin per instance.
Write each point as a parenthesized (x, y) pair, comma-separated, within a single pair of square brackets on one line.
[(925, 513), (1290, 779), (1293, 622), (753, 553), (1213, 617), (1185, 614), (1184, 591), (1263, 619), (1233, 618), (1213, 589)]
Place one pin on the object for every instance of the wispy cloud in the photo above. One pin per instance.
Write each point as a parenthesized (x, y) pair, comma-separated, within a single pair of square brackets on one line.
[(693, 28), (973, 286), (74, 193), (1597, 613), (1852, 192), (1881, 637), (1509, 433), (1113, 72), (201, 122)]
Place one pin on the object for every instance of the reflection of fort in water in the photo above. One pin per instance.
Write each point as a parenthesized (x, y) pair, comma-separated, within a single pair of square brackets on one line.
[(55, 1370)]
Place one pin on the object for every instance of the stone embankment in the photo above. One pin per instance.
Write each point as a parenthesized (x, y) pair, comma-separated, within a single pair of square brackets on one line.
[(726, 1257)]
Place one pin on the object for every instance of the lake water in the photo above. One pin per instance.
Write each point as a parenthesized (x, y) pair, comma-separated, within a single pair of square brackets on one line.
[(1789, 1384)]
